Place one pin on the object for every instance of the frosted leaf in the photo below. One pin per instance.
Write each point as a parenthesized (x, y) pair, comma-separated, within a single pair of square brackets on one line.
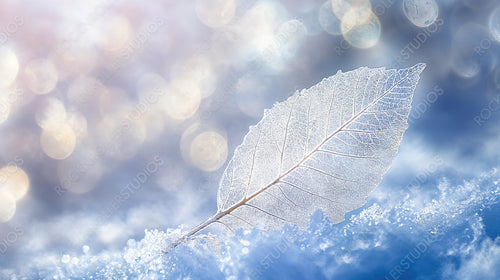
[(325, 148)]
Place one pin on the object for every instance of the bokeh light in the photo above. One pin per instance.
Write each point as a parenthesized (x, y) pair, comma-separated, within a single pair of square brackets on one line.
[(464, 61), (258, 25), (181, 99), (7, 206), (204, 146), (199, 68), (59, 141), (361, 27), (494, 23), (78, 123), (215, 13), (77, 57), (9, 67), (41, 75), (421, 13), (329, 20), (4, 108), (114, 32), (208, 151), (50, 113), (341, 7), (15, 181)]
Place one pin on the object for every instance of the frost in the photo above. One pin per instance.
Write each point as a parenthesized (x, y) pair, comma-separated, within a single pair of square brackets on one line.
[(150, 248), (323, 250)]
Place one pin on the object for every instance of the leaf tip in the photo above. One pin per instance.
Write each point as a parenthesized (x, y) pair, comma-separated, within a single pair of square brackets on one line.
[(419, 67)]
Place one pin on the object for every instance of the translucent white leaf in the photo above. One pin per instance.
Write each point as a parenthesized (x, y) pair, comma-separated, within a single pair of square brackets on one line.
[(325, 147)]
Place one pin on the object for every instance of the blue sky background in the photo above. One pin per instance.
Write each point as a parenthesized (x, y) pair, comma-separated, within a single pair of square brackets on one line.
[(84, 68)]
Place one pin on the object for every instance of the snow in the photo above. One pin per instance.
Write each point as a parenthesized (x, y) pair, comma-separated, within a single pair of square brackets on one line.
[(322, 251)]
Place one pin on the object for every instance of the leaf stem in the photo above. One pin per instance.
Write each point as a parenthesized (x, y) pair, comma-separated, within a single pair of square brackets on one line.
[(188, 234)]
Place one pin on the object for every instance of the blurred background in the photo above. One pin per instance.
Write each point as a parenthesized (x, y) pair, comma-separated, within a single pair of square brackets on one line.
[(118, 116)]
